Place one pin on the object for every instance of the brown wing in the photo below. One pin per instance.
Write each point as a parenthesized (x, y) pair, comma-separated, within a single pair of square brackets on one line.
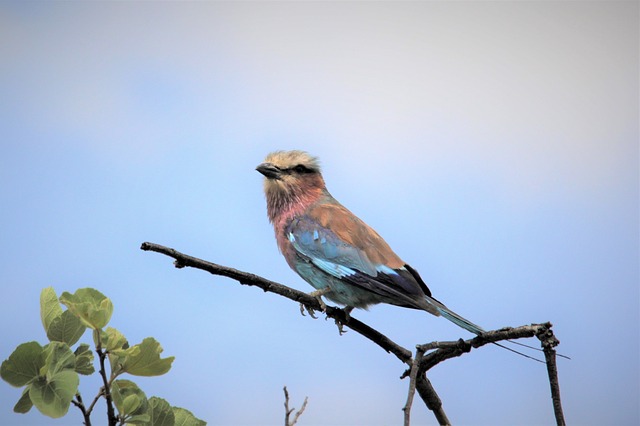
[(355, 232)]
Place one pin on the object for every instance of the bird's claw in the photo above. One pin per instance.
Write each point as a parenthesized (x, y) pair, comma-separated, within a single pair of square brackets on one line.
[(318, 296), (309, 310)]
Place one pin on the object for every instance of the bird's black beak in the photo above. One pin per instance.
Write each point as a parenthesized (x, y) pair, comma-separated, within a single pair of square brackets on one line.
[(269, 171)]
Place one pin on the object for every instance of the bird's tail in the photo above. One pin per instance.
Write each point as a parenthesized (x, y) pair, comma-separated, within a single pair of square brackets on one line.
[(476, 329), (458, 320)]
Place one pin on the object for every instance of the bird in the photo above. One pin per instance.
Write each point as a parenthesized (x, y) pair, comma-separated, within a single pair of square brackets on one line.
[(342, 257)]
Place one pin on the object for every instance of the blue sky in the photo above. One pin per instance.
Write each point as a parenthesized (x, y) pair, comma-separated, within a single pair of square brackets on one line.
[(493, 144)]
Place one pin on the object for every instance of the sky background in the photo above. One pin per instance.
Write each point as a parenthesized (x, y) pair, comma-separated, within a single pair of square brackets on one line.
[(494, 145)]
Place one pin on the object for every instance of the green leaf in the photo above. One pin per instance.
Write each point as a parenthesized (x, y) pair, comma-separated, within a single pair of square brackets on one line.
[(112, 340), (59, 326), (52, 397), (58, 357), (138, 419), (131, 403), (117, 348), (84, 360), (161, 412), (91, 306), (129, 399), (66, 328), (58, 381), (49, 374), (147, 361), (186, 418), (49, 307), (116, 394), (24, 404), (119, 357), (23, 365)]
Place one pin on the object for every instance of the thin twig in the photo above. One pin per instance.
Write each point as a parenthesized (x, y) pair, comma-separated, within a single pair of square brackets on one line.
[(86, 414), (300, 411), (95, 400), (413, 375), (288, 410)]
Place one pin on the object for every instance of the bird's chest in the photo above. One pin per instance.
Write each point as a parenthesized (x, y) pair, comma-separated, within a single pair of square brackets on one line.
[(283, 238)]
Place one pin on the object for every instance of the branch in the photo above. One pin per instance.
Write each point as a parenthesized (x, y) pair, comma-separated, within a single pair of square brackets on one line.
[(441, 351), (95, 401), (309, 302), (413, 377), (431, 399), (549, 342), (447, 350), (102, 355), (288, 410), (86, 414)]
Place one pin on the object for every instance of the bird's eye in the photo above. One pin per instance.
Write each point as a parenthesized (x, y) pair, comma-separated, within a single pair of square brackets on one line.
[(301, 169)]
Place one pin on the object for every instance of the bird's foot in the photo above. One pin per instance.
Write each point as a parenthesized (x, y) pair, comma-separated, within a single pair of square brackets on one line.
[(318, 296)]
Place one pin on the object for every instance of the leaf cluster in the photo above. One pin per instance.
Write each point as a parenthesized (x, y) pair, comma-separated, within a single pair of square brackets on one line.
[(50, 374)]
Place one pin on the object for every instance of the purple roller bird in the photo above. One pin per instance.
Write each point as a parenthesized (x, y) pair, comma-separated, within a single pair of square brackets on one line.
[(332, 249)]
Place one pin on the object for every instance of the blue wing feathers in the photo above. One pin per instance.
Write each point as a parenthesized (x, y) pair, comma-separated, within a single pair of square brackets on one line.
[(333, 269), (324, 249), (348, 268), (321, 244)]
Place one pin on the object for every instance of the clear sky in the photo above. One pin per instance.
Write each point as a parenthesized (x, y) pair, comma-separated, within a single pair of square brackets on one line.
[(493, 144)]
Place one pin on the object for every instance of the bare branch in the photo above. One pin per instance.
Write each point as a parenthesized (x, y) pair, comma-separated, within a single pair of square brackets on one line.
[(288, 410), (447, 350), (431, 399), (413, 376), (549, 342), (310, 302), (441, 351)]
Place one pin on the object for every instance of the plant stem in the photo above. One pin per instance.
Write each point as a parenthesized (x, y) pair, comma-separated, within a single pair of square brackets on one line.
[(113, 420), (85, 413)]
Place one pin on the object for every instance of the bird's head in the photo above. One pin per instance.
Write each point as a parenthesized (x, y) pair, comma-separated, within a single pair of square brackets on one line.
[(291, 176)]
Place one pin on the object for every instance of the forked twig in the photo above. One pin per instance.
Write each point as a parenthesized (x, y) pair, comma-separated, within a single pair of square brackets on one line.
[(288, 411)]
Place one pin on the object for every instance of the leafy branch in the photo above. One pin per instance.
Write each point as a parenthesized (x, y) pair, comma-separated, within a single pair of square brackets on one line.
[(427, 355), (50, 373)]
